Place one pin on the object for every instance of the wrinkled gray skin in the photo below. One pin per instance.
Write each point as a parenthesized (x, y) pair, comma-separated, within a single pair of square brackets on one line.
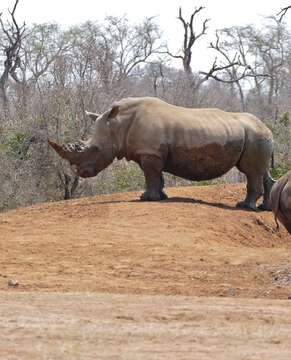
[(195, 144), (280, 201)]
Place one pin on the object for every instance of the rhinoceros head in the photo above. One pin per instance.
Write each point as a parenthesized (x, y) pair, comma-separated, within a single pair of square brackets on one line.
[(90, 159), (84, 157)]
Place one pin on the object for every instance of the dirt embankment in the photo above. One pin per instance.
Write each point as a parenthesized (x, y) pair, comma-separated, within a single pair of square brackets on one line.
[(195, 243), (111, 277)]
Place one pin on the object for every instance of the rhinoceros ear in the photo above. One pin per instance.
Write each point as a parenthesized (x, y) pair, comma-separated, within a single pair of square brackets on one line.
[(113, 112), (71, 152)]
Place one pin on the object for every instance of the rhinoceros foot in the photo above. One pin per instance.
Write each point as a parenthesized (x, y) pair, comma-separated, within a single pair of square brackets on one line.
[(246, 205), (153, 196), (163, 195)]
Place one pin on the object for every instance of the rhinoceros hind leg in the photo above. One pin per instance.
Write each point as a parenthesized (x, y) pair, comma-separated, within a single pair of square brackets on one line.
[(254, 191), (152, 167)]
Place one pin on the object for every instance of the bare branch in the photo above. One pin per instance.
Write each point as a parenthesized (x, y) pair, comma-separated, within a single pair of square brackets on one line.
[(235, 77), (231, 66), (170, 54), (283, 12), (14, 8), (214, 69), (12, 15)]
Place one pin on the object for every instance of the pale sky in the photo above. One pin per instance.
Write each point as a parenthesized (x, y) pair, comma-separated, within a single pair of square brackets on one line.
[(223, 13)]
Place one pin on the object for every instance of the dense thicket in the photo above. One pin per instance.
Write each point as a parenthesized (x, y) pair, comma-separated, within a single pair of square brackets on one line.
[(58, 74)]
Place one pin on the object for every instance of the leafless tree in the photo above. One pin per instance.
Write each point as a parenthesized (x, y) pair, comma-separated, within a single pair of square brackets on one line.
[(190, 37), (270, 48), (133, 44), (11, 47), (41, 47), (154, 72), (189, 40), (235, 67)]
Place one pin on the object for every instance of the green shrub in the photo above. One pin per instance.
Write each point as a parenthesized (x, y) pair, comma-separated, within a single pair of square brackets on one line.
[(279, 171), (15, 143), (284, 119), (282, 144), (127, 178)]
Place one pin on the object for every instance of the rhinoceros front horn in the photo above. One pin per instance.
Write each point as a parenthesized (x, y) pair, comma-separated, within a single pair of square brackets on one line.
[(70, 152)]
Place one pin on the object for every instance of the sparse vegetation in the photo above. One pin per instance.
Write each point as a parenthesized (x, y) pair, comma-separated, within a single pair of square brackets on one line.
[(55, 75)]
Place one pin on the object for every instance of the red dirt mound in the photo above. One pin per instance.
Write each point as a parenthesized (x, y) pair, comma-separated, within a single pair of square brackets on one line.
[(194, 243)]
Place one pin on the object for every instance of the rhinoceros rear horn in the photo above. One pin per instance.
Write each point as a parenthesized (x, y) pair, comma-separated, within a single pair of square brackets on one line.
[(70, 152)]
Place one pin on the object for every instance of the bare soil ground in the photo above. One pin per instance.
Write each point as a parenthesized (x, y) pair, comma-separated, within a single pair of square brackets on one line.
[(110, 277)]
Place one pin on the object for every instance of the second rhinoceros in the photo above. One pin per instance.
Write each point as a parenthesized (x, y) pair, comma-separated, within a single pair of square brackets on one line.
[(280, 201), (195, 144)]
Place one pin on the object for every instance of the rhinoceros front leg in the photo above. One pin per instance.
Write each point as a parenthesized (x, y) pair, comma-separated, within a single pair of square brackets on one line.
[(152, 167)]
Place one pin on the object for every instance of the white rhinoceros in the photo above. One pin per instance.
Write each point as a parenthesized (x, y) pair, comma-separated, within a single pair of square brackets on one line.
[(280, 201), (195, 144)]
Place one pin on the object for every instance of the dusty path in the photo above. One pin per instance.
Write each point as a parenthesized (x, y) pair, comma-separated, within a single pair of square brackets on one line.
[(194, 244), (140, 327)]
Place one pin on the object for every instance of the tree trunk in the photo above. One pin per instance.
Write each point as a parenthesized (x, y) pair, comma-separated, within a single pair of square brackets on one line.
[(242, 97), (3, 95)]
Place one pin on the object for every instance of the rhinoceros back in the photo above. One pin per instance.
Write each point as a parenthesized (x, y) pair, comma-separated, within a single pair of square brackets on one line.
[(207, 148)]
